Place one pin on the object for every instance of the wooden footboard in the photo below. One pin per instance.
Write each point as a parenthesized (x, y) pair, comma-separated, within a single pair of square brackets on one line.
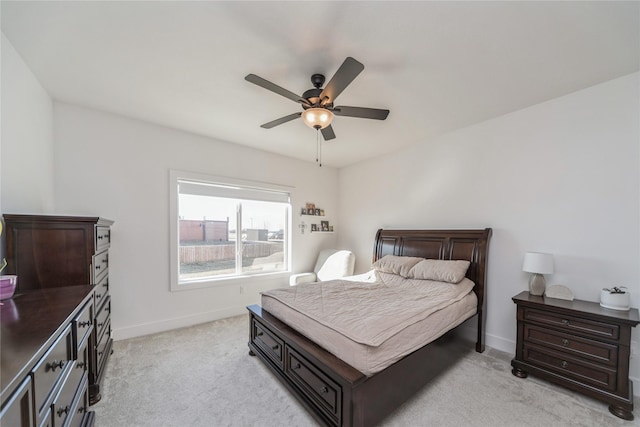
[(333, 392)]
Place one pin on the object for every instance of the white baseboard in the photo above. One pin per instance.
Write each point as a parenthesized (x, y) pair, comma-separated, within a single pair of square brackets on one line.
[(492, 341), (175, 323)]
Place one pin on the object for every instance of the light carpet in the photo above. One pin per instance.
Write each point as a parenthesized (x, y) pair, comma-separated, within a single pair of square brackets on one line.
[(203, 376)]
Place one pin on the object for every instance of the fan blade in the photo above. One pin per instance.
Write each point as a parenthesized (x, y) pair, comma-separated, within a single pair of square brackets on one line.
[(281, 120), (361, 112), (327, 133), (257, 80), (348, 71)]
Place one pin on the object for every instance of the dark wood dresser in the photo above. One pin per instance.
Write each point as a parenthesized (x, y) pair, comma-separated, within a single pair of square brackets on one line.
[(579, 345), (45, 357), (48, 251)]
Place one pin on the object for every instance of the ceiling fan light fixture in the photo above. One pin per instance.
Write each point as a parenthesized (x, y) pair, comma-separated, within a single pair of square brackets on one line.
[(317, 118)]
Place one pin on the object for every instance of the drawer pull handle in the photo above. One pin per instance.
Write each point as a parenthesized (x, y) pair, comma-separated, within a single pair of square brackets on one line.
[(64, 410), (275, 347), (84, 324), (324, 390), (100, 325), (260, 334), (81, 409), (565, 321), (297, 366), (97, 267), (98, 296), (565, 342), (106, 284), (564, 364), (54, 365), (100, 353), (81, 365)]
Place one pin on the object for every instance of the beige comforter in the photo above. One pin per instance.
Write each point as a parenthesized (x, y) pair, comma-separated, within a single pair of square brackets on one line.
[(371, 313)]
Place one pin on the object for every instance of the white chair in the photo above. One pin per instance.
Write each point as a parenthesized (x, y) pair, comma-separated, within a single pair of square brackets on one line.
[(331, 264)]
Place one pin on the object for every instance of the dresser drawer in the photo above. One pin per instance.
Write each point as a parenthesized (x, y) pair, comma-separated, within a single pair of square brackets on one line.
[(568, 366), (102, 290), (100, 263), (574, 324), (82, 325), (65, 400), (271, 345), (595, 351), (325, 393), (80, 406), (51, 368), (103, 238), (18, 409), (102, 318), (103, 348)]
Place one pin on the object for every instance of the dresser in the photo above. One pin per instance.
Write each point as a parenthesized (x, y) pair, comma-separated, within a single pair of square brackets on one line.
[(579, 345), (48, 252), (44, 335)]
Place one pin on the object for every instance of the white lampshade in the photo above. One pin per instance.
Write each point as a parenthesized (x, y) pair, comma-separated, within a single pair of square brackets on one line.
[(317, 118), (536, 262)]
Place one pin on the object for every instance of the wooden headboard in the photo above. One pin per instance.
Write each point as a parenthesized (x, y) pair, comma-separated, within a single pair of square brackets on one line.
[(470, 245)]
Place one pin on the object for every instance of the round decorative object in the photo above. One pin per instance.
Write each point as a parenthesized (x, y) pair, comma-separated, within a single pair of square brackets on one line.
[(559, 292), (7, 286), (615, 299)]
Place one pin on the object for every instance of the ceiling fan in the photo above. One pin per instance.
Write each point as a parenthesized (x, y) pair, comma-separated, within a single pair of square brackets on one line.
[(317, 103)]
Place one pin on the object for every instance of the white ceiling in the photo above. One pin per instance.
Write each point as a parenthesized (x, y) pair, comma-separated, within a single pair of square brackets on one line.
[(437, 66)]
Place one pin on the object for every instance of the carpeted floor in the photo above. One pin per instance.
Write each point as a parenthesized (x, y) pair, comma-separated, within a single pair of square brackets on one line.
[(203, 376)]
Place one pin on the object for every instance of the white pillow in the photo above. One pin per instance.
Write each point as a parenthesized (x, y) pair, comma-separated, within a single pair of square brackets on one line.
[(441, 270), (400, 265)]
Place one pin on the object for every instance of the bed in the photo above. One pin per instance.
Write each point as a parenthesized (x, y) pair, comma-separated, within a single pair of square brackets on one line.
[(334, 391)]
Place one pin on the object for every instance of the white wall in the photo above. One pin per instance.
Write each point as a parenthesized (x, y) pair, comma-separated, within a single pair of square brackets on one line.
[(560, 177), (118, 168), (26, 148)]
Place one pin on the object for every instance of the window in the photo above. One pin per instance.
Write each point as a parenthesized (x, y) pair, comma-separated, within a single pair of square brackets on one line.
[(223, 228)]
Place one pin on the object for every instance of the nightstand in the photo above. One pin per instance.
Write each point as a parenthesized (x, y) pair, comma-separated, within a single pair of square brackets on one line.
[(579, 345)]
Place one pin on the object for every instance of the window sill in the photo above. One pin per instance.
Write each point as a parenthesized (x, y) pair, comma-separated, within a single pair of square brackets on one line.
[(230, 281)]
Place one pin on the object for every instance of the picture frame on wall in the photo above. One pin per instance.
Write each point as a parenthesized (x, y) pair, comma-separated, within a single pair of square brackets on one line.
[(314, 227), (303, 211), (324, 225)]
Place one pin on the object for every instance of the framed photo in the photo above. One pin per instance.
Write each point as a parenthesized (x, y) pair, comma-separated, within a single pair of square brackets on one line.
[(303, 211), (321, 212), (331, 228), (310, 207), (317, 211), (314, 227), (324, 225)]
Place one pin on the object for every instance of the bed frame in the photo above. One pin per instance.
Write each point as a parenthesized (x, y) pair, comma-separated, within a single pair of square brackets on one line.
[(337, 394)]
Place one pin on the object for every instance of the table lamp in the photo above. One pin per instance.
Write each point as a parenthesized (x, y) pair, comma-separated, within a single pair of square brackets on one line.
[(538, 264)]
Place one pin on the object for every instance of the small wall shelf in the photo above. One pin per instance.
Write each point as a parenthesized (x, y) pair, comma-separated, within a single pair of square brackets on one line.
[(314, 227)]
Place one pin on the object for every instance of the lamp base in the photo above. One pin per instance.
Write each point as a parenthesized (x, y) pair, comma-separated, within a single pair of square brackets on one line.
[(536, 284)]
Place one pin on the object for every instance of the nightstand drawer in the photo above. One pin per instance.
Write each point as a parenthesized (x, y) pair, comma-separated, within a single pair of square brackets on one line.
[(595, 351), (571, 367), (573, 324)]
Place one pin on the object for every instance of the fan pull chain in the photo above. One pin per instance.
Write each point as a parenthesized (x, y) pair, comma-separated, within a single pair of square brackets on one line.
[(318, 148)]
